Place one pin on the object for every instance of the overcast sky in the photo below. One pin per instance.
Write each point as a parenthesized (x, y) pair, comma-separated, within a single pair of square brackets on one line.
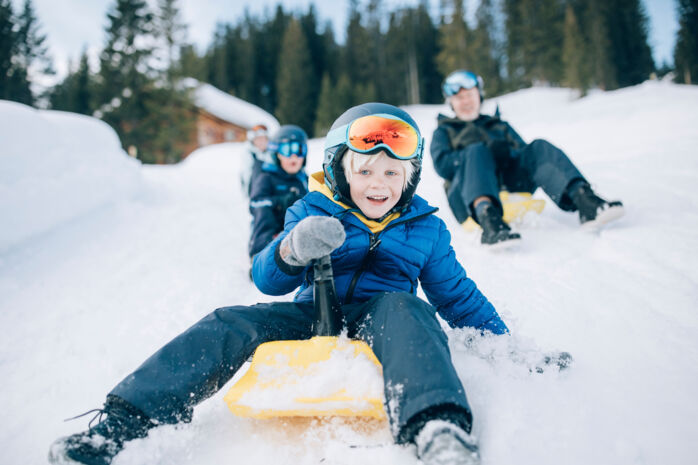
[(72, 25)]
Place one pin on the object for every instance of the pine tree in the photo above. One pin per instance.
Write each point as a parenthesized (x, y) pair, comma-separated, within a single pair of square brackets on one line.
[(28, 55), (598, 51), (293, 78), (535, 40), (454, 41), (630, 52), (486, 60), (74, 93), (172, 32), (686, 49), (332, 102), (8, 47), (574, 54), (125, 61)]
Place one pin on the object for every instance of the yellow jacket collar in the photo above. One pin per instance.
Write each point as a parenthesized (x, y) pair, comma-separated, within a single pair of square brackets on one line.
[(316, 183)]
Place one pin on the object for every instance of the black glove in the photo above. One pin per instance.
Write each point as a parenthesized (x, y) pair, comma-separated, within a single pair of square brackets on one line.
[(500, 152)]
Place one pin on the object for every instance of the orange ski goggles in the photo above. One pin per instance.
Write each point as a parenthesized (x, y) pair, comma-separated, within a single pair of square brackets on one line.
[(372, 133)]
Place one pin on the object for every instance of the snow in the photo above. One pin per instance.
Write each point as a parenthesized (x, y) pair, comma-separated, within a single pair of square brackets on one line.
[(102, 261), (230, 108), (56, 166)]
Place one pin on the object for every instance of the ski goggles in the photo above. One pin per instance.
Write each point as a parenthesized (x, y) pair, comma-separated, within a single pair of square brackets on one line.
[(381, 131), (460, 80), (286, 149)]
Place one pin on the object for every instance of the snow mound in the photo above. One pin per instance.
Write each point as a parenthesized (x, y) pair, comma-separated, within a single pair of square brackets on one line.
[(55, 167)]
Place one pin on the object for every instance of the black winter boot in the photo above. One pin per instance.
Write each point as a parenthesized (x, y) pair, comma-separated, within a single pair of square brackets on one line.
[(443, 443), (494, 230), (593, 210), (99, 445)]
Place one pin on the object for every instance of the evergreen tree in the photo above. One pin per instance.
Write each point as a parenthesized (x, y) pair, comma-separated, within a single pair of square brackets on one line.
[(535, 40), (24, 54), (574, 53), (486, 59), (630, 53), (172, 32), (363, 57), (293, 77), (308, 23), (269, 54), (454, 41), (137, 98), (190, 64), (686, 49), (425, 36), (333, 101), (8, 47), (74, 93), (598, 51), (515, 27), (125, 61)]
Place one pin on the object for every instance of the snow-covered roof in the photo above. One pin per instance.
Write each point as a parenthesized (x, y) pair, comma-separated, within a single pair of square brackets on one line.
[(228, 107)]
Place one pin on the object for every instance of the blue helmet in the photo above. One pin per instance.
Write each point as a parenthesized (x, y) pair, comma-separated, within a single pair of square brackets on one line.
[(462, 79), (336, 146), (288, 140)]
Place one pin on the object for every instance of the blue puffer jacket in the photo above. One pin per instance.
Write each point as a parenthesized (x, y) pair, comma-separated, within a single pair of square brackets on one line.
[(410, 249)]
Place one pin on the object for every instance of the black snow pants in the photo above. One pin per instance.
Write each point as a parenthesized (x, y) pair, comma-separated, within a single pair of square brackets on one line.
[(538, 164), (401, 329)]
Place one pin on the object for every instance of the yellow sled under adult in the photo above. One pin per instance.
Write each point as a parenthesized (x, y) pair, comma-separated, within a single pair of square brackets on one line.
[(515, 204)]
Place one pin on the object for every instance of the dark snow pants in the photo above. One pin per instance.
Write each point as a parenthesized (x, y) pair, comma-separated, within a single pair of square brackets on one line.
[(538, 164), (401, 329)]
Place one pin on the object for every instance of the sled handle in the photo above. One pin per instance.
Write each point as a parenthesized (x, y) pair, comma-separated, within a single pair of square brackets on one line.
[(328, 313)]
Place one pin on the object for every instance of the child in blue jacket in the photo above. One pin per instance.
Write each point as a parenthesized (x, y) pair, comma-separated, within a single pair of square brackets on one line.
[(277, 185), (384, 241)]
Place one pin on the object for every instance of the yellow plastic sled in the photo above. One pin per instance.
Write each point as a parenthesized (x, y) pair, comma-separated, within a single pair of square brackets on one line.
[(312, 377), (515, 204)]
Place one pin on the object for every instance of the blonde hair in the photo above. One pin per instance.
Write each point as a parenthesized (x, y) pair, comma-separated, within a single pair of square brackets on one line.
[(353, 161)]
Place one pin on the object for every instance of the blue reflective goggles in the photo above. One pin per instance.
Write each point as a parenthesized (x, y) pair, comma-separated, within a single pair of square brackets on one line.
[(371, 133), (286, 149), (460, 80)]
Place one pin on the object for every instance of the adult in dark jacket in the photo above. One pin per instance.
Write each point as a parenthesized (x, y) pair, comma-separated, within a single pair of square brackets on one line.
[(480, 155), (277, 185), (383, 242)]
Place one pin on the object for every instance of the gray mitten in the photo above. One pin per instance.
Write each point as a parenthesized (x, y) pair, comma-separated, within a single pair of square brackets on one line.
[(313, 237)]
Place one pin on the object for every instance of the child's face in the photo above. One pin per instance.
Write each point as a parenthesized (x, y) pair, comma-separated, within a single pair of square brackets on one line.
[(375, 188), (260, 142), (292, 164)]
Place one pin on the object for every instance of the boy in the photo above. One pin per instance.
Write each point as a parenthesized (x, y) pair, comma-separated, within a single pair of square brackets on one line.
[(383, 241), (480, 155), (277, 185)]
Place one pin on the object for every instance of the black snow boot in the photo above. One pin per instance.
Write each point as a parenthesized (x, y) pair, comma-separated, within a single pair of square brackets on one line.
[(495, 232), (593, 210), (99, 445), (443, 443)]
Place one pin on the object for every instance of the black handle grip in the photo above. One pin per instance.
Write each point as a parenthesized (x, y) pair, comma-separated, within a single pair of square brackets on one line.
[(328, 313)]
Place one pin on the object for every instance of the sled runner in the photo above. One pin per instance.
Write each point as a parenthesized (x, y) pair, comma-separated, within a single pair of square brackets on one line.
[(301, 378), (515, 204)]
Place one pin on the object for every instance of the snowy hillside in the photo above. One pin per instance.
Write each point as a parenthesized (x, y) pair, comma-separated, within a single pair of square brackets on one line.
[(102, 261)]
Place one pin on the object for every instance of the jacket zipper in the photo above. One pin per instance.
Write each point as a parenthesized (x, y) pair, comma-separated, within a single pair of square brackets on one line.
[(374, 242)]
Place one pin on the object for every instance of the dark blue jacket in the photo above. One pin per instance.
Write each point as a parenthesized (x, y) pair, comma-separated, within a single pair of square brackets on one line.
[(411, 249), (272, 191), (453, 135)]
